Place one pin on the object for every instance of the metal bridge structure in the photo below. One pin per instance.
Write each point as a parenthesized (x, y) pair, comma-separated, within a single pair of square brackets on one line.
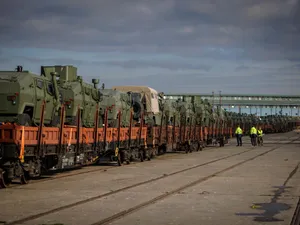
[(260, 105)]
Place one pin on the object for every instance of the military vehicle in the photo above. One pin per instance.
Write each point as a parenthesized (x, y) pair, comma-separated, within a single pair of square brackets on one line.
[(208, 111), (208, 120), (24, 95), (199, 109), (221, 121), (116, 101), (228, 123), (186, 122), (78, 96), (120, 109), (168, 109), (152, 114)]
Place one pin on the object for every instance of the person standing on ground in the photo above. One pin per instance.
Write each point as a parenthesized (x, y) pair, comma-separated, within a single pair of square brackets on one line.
[(253, 135), (260, 136), (239, 134)]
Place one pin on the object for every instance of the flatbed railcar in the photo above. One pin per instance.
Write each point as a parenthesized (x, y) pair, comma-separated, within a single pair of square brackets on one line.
[(29, 151)]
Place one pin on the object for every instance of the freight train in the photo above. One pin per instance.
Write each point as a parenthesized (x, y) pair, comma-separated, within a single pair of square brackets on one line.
[(55, 120)]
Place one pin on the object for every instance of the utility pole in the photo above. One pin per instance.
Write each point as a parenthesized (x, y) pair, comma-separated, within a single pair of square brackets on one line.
[(261, 111), (271, 107)]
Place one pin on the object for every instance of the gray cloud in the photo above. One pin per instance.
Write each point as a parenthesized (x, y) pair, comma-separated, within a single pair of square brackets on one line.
[(161, 64), (214, 39), (159, 23)]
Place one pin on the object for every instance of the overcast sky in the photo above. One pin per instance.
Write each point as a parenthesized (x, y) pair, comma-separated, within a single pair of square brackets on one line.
[(175, 46)]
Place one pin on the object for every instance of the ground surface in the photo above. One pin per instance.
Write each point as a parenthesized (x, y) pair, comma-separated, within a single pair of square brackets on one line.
[(230, 185)]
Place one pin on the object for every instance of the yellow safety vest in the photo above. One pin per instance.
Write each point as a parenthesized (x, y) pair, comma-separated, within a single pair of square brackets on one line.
[(260, 132), (253, 130), (239, 131)]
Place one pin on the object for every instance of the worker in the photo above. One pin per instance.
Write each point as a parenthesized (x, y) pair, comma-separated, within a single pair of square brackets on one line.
[(253, 135), (260, 136), (239, 134)]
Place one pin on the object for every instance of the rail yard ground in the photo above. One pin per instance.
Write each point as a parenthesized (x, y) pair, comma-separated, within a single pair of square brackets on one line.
[(229, 185)]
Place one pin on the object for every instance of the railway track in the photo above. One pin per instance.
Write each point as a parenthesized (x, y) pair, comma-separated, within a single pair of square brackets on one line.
[(151, 201), (73, 172), (64, 173), (61, 175), (161, 197), (296, 216)]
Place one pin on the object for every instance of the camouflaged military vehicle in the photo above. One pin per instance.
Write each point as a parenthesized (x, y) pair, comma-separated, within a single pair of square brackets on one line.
[(116, 101), (149, 99), (23, 94), (199, 110), (168, 109), (186, 112), (76, 94), (221, 119)]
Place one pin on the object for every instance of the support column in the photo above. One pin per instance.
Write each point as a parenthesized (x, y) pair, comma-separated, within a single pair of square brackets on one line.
[(261, 111), (271, 107)]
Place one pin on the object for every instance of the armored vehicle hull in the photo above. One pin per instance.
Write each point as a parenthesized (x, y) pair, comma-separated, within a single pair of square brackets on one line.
[(25, 95), (78, 96)]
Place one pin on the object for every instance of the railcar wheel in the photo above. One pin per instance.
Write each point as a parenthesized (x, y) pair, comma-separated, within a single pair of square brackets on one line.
[(186, 147), (24, 178), (186, 150), (193, 147), (149, 154), (119, 160), (201, 147), (164, 149), (141, 156), (127, 156), (4, 180)]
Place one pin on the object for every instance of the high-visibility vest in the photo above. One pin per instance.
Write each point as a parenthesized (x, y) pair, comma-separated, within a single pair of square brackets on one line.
[(239, 131), (260, 132), (253, 130)]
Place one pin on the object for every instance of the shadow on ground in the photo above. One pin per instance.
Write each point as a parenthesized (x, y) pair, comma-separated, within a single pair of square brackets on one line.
[(270, 209)]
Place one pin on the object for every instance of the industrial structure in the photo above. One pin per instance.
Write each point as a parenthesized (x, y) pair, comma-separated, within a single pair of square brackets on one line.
[(253, 104)]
